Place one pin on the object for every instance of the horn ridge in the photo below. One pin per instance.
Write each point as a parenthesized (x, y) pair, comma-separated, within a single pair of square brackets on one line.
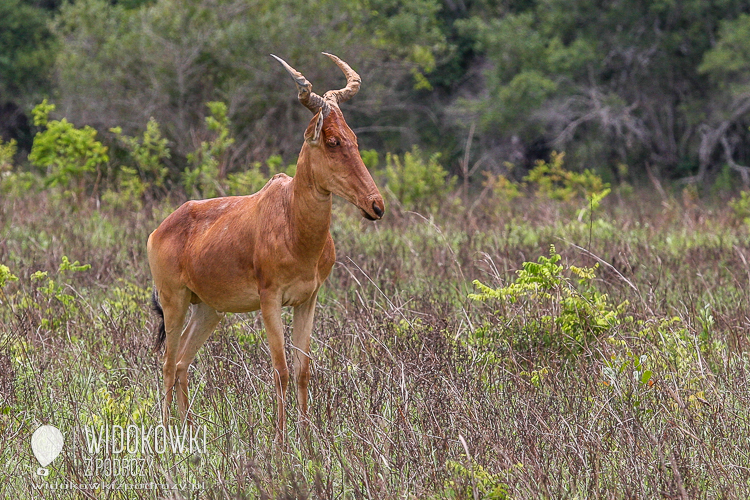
[(353, 81), (306, 96)]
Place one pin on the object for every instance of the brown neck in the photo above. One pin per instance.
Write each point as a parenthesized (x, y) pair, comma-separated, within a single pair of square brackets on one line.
[(310, 210)]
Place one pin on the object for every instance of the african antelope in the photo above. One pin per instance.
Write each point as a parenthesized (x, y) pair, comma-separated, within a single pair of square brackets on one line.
[(263, 251)]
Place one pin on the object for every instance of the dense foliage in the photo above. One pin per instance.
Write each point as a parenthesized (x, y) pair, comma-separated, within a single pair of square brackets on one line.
[(657, 86)]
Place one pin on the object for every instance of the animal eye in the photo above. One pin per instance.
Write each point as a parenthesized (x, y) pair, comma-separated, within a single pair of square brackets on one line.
[(333, 142)]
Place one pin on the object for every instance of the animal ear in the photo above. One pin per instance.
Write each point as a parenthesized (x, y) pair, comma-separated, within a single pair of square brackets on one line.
[(312, 134)]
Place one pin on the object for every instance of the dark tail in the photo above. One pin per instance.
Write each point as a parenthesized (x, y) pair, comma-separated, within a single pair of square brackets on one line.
[(158, 310)]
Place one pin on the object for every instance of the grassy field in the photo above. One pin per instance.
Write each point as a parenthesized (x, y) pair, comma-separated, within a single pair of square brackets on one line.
[(629, 380)]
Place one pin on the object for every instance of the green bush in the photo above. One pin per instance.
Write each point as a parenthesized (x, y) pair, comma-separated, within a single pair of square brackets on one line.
[(628, 376), (7, 152), (553, 181), (502, 192), (148, 173), (13, 183), (55, 294), (416, 182), (481, 483), (203, 179), (549, 305), (6, 276), (123, 409), (255, 176), (741, 207), (370, 158), (68, 153)]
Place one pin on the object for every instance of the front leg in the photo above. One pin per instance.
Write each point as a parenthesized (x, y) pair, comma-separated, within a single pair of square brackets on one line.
[(270, 308), (301, 331)]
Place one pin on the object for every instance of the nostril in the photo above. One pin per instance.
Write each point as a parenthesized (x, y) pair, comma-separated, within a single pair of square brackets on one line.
[(377, 209)]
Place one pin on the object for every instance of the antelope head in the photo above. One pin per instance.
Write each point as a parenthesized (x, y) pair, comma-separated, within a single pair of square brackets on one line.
[(330, 147)]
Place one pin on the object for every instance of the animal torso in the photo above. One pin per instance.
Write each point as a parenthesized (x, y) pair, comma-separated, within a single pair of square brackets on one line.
[(225, 250)]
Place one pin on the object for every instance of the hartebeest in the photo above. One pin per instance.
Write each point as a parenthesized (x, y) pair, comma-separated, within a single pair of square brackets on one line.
[(263, 251)]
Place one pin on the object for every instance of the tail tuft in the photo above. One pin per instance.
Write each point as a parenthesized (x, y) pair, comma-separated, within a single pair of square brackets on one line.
[(162, 335)]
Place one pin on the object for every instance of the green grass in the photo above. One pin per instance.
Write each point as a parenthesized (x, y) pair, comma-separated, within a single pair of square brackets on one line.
[(417, 391)]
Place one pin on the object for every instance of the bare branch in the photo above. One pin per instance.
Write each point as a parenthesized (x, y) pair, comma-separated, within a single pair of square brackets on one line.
[(744, 171)]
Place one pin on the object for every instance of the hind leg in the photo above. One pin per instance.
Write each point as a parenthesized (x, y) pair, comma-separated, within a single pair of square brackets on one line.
[(175, 306), (203, 321)]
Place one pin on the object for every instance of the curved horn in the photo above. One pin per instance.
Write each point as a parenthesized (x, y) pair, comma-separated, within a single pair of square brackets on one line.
[(353, 82), (306, 96)]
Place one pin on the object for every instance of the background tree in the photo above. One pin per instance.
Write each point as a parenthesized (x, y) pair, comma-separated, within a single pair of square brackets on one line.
[(119, 66), (727, 66), (609, 83), (485, 83), (26, 55)]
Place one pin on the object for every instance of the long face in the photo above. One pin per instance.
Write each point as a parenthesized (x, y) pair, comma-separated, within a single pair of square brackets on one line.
[(331, 146), (338, 166)]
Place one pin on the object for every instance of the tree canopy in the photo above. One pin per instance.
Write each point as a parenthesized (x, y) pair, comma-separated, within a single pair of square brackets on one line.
[(660, 84)]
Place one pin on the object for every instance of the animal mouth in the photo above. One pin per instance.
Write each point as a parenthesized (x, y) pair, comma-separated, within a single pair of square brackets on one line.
[(377, 212), (366, 215)]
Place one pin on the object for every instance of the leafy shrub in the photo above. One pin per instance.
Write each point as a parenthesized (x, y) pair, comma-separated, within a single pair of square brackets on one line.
[(13, 183), (7, 152), (202, 180), (502, 192), (504, 189), (477, 483), (417, 182), (681, 349), (255, 176), (149, 173), (556, 183), (123, 409), (628, 376), (549, 305), (68, 153), (6, 275), (246, 182), (56, 292), (370, 158), (741, 207)]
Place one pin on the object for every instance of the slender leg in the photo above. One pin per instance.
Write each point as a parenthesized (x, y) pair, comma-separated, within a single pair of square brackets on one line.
[(174, 306), (301, 332), (270, 308), (203, 321)]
